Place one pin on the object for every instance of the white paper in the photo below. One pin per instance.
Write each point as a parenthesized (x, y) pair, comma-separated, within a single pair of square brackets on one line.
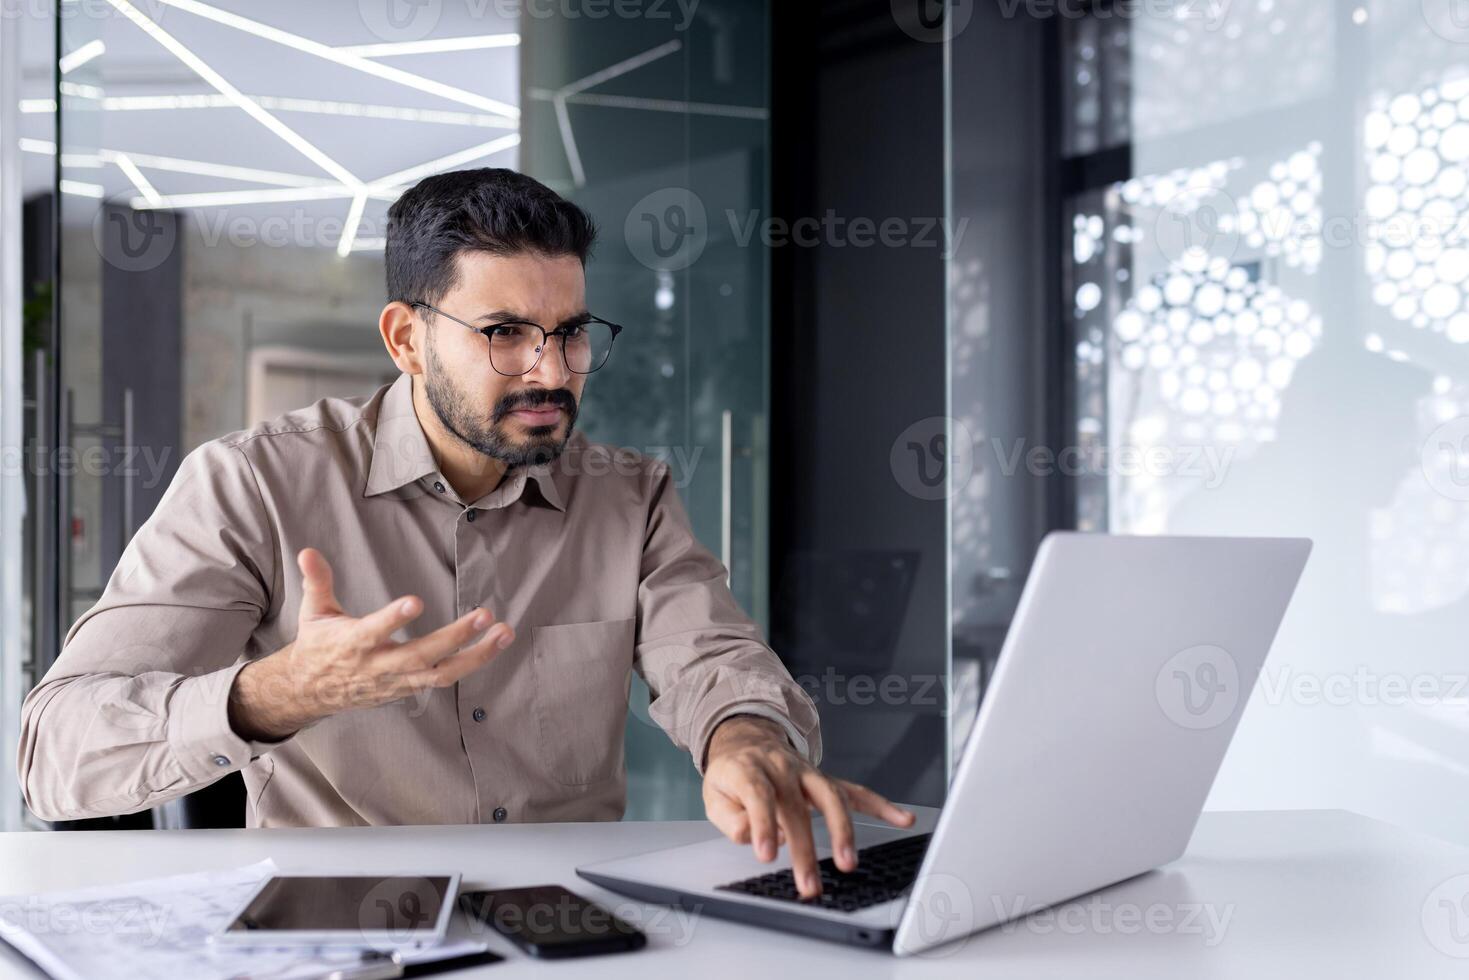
[(158, 930)]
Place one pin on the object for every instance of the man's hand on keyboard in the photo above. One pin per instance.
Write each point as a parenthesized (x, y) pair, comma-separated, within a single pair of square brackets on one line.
[(759, 791)]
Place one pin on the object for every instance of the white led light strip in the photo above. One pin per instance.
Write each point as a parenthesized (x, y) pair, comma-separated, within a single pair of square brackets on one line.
[(346, 59), (73, 60), (436, 45), (218, 82)]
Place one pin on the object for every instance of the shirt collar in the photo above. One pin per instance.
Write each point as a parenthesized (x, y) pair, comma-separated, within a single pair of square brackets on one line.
[(401, 453)]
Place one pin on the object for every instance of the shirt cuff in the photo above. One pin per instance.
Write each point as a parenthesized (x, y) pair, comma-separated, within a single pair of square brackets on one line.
[(759, 710), (199, 731)]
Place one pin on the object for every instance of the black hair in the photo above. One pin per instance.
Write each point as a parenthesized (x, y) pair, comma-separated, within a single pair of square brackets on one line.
[(486, 210)]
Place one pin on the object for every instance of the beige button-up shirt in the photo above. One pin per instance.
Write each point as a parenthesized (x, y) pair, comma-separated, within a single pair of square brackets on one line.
[(591, 559)]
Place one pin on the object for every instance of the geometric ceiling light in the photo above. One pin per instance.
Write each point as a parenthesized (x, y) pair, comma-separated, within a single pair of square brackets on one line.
[(218, 82), (431, 45), (344, 58), (288, 187), (285, 103), (560, 96), (73, 60)]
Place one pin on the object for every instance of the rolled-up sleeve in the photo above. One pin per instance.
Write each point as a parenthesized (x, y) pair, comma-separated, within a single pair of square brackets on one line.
[(703, 659), (135, 711)]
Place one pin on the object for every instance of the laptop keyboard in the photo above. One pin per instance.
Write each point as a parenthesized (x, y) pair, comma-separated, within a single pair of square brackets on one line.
[(884, 872)]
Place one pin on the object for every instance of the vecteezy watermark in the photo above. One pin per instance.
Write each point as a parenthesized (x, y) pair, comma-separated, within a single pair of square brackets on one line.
[(1445, 459), (669, 229), (1098, 916), (141, 239), (837, 231), (134, 241), (1363, 687), (154, 10), (397, 21), (413, 20), (1211, 13), (140, 921), (147, 463), (931, 21), (833, 687), (1197, 219), (936, 457), (1449, 19), (940, 910), (399, 908), (1446, 917), (1209, 464), (932, 458), (934, 21), (1198, 688)]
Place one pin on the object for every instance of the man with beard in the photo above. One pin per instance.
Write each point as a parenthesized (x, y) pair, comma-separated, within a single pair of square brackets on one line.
[(424, 606)]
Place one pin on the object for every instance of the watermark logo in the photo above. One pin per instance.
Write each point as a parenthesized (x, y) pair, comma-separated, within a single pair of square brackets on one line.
[(401, 908), (1199, 688), (933, 458), (940, 911), (922, 452), (134, 241), (1446, 917), (1099, 916), (400, 20), (667, 230), (1445, 459), (1197, 221), (1449, 19), (931, 21)]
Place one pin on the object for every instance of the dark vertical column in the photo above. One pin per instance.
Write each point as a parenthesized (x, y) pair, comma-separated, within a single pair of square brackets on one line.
[(142, 352), (858, 357), (1008, 327)]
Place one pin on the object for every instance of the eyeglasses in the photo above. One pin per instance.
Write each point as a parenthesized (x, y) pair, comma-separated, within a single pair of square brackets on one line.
[(516, 347)]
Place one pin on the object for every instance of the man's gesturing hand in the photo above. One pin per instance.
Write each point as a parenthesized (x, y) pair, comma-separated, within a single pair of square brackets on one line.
[(338, 662), (758, 791)]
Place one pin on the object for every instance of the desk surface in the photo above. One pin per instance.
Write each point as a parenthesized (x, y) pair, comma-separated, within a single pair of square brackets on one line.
[(1259, 895)]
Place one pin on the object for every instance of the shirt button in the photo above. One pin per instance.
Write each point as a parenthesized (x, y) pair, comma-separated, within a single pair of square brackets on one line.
[(500, 814), (221, 760), (479, 714), (438, 486), (470, 518)]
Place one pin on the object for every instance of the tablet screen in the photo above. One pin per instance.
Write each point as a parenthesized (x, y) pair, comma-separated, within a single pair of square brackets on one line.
[(368, 903)]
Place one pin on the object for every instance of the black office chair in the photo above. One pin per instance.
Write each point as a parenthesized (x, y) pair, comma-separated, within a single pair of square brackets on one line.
[(219, 805)]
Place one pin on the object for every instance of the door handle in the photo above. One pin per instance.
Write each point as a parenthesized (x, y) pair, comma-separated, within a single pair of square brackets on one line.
[(726, 488)]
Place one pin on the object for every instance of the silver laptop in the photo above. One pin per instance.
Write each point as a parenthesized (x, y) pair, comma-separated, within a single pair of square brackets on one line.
[(1119, 686)]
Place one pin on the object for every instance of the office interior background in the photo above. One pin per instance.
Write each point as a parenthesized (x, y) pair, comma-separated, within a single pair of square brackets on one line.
[(906, 286)]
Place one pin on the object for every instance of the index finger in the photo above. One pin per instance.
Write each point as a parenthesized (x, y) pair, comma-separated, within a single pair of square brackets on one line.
[(866, 801)]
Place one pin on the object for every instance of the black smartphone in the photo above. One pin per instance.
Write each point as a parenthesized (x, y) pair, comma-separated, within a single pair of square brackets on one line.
[(552, 922)]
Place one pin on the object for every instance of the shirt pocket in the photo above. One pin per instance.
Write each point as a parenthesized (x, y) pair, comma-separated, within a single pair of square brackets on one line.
[(582, 676)]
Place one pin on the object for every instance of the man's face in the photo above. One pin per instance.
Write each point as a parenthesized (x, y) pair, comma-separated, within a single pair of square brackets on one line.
[(517, 420)]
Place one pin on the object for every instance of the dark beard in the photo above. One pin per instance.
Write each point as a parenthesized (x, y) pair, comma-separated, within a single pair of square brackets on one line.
[(541, 444)]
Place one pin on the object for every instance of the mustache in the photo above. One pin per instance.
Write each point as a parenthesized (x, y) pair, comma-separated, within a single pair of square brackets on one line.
[(532, 400)]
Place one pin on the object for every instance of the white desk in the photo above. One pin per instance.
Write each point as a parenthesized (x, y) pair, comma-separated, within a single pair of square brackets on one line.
[(1301, 895)]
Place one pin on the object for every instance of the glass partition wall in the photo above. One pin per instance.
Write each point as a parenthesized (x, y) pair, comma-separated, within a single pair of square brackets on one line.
[(658, 126), (224, 172)]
